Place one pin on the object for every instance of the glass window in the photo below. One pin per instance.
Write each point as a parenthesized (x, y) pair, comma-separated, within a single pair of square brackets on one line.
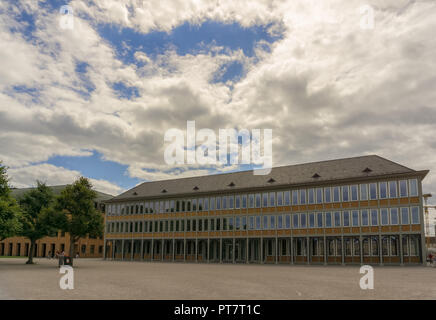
[(403, 188), (354, 193), (364, 219), (265, 200), (212, 203), (258, 200), (244, 201), (244, 223), (225, 225), (384, 217), (415, 215), (287, 198), (237, 202), (280, 198), (272, 199), (218, 203), (206, 204), (346, 218), (383, 190), (320, 219), (336, 194), (265, 222), (328, 219), (258, 227), (288, 221), (394, 216), (303, 220), (327, 195), (311, 220), (311, 196), (404, 215), (373, 191), (303, 196), (272, 222), (345, 193), (413, 187), (224, 203), (355, 218), (231, 223), (251, 224), (393, 193), (194, 205), (363, 192), (251, 201), (318, 195), (231, 202), (294, 197), (295, 221), (337, 219), (374, 217)]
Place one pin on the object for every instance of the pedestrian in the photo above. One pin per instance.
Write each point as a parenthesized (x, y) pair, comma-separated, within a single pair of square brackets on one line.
[(61, 258)]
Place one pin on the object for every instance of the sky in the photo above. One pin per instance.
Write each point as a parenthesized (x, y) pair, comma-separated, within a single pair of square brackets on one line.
[(96, 99)]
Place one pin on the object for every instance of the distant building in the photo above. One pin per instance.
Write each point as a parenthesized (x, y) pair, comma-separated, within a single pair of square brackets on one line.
[(86, 247), (362, 210)]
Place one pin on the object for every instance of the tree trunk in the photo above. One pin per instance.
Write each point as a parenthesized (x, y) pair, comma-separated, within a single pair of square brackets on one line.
[(31, 250), (72, 241)]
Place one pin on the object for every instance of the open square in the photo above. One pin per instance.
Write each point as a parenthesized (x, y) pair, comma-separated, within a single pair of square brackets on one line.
[(99, 279)]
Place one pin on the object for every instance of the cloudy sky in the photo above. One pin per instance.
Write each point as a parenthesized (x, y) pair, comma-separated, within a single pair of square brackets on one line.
[(97, 99)]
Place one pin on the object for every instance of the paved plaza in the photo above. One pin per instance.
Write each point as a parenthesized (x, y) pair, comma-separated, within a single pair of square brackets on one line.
[(98, 279)]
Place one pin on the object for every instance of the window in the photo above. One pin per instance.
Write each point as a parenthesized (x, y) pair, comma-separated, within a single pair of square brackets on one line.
[(415, 215), (403, 188), (413, 187), (257, 200), (272, 222), (244, 223), (328, 219), (337, 216), (194, 205), (251, 201), (212, 203), (295, 221), (258, 227), (345, 193), (200, 204), (303, 220), (218, 203), (346, 218), (231, 202), (383, 190), (272, 199), (393, 192), (206, 204), (394, 216), (318, 195), (384, 217), (237, 202), (355, 218), (244, 201), (373, 191), (320, 219), (404, 215), (265, 200), (288, 221), (280, 198), (327, 195), (311, 220), (336, 195), (251, 222), (287, 198), (231, 223), (303, 196), (188, 205), (224, 203), (265, 222), (311, 196), (365, 220), (280, 222), (354, 194), (294, 197), (363, 192), (374, 217)]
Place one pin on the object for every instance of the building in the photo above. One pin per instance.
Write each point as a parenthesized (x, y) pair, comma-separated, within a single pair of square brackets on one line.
[(348, 211), (86, 247)]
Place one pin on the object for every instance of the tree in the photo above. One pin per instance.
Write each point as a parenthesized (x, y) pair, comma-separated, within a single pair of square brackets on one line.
[(80, 217), (9, 210), (39, 219)]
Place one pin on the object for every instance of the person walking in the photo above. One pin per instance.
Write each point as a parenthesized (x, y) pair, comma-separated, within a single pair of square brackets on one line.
[(61, 258)]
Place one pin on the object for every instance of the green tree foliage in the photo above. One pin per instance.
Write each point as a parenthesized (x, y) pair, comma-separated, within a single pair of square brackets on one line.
[(9, 210), (80, 217), (39, 219)]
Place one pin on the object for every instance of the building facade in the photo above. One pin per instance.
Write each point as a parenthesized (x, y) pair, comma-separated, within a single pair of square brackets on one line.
[(85, 247), (363, 210)]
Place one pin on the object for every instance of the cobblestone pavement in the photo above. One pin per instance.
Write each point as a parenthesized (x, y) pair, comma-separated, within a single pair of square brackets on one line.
[(98, 279)]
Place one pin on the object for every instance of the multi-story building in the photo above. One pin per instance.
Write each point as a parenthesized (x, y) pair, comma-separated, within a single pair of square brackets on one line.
[(86, 247), (358, 210)]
